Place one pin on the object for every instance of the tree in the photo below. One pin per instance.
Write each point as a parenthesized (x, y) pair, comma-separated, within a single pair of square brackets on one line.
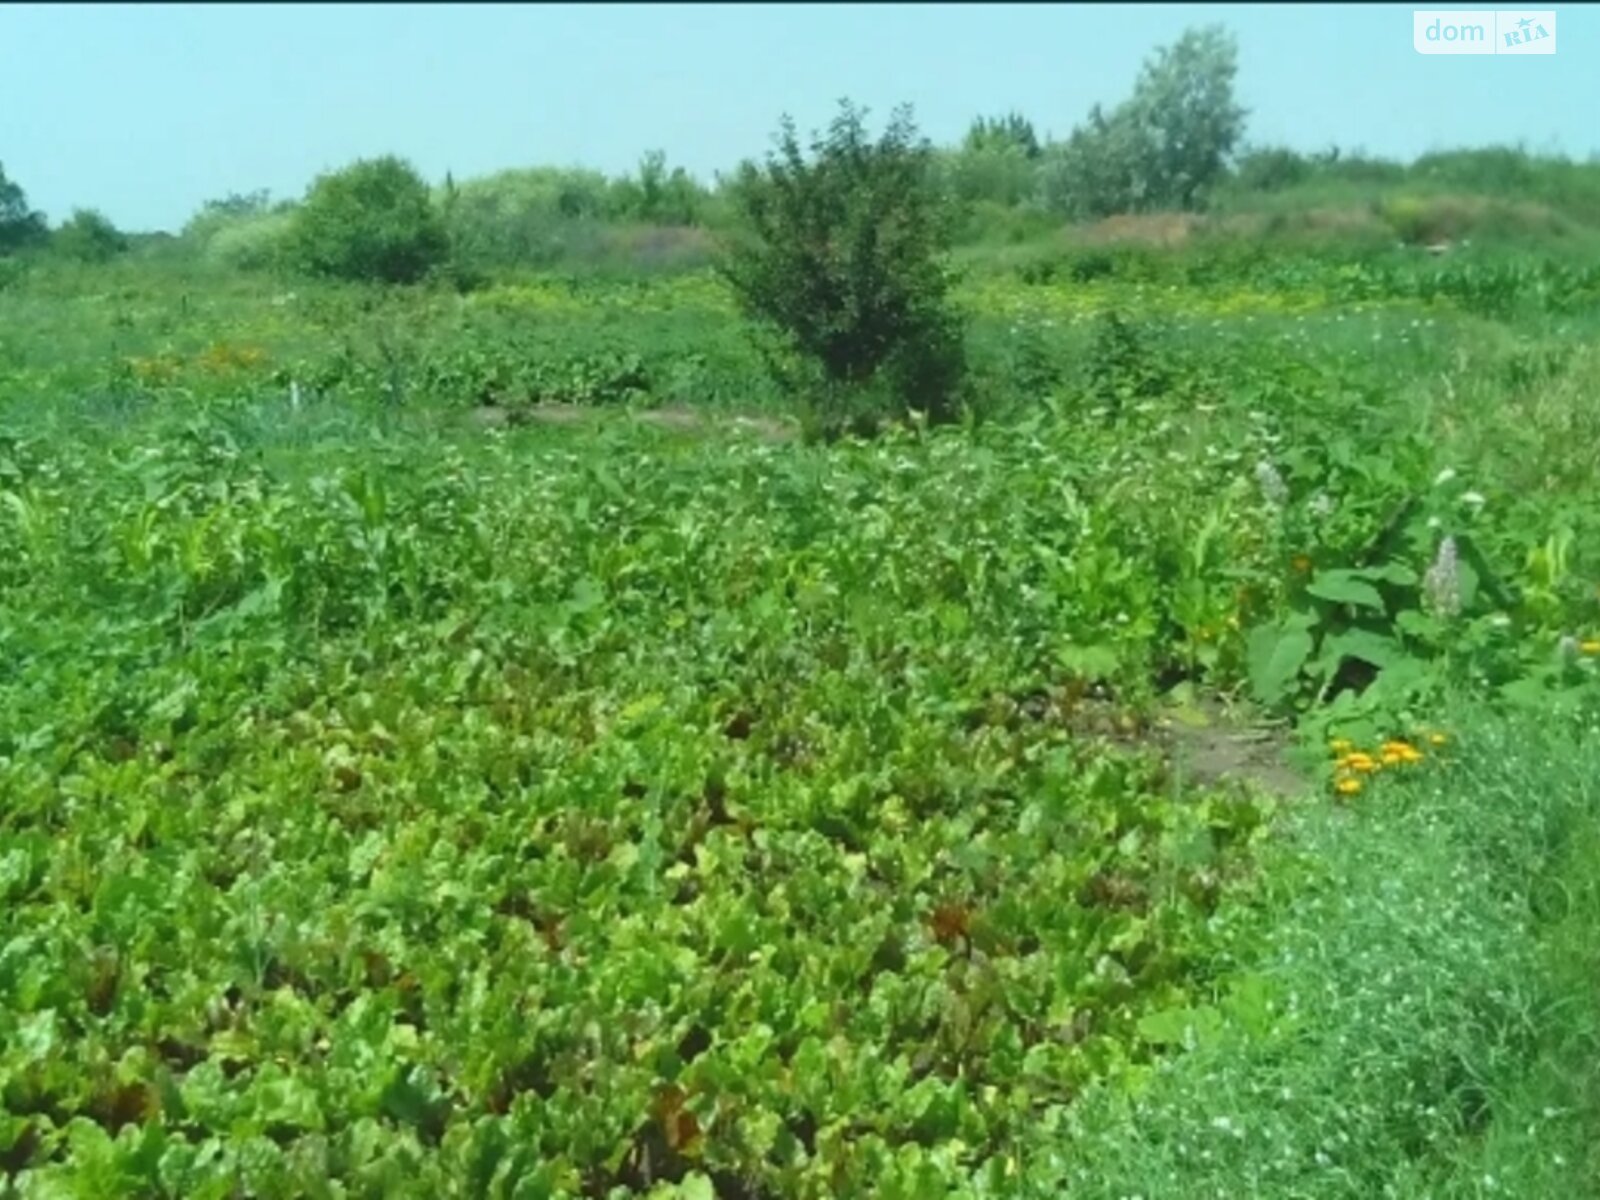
[(657, 196), (20, 226), (997, 162), (840, 256), (374, 220), (1165, 146), (88, 236), (1010, 132), (241, 204), (217, 215), (1184, 108), (1102, 168), (1270, 169), (532, 217)]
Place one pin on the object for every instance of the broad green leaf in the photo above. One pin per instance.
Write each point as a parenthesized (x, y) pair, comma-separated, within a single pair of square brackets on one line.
[(1342, 587), (1088, 662), (1186, 1027), (1364, 644), (1394, 571), (1276, 656)]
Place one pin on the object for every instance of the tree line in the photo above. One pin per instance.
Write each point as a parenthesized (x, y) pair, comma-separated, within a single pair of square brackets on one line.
[(1174, 144), (836, 249)]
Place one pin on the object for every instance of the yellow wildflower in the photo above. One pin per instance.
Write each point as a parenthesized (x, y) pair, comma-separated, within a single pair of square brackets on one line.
[(1400, 751), (1359, 761), (1592, 646), (1437, 739), (1347, 786), (1341, 746)]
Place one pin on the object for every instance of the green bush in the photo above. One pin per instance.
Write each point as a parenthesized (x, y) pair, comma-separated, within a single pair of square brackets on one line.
[(12, 272), (840, 256), (1122, 363), (216, 215), (537, 217), (1000, 174), (251, 243), (374, 221), (88, 236), (1270, 169), (20, 226), (654, 195)]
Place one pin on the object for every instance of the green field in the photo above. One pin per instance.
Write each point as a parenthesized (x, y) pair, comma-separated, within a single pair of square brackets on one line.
[(399, 802)]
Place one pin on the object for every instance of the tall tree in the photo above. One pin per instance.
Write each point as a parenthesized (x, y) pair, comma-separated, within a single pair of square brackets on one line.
[(1184, 109), (20, 226), (1012, 131), (1163, 147)]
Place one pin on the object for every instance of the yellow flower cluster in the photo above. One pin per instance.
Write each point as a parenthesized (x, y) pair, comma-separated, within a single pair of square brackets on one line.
[(1352, 766), (220, 356), (159, 369)]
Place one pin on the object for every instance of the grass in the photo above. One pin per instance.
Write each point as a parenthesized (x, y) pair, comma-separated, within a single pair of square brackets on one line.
[(1424, 1019)]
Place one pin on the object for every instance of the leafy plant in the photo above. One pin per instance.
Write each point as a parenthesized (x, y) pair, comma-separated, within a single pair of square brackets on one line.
[(88, 236), (1363, 647), (840, 257), (1123, 363), (372, 221)]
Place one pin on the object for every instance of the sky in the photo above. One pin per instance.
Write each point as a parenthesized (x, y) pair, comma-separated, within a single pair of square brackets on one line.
[(145, 111)]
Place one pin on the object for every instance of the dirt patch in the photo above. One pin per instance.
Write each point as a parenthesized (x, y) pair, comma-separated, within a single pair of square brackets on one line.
[(490, 416), (688, 420), (1146, 229), (681, 419), (768, 429), (494, 416), (557, 414), (1211, 744), (1204, 741)]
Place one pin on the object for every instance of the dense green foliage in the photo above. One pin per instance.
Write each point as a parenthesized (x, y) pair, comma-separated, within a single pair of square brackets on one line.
[(20, 226), (1010, 132), (457, 740), (1163, 148), (372, 221), (1175, 145), (544, 217), (841, 256), (1424, 1019), (842, 854), (88, 236), (576, 814), (242, 232)]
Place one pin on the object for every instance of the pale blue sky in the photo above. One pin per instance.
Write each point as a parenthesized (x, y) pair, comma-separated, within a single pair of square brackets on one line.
[(145, 111)]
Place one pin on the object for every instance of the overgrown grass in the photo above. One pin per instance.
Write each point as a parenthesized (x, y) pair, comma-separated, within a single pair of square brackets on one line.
[(225, 487), (1425, 1018)]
